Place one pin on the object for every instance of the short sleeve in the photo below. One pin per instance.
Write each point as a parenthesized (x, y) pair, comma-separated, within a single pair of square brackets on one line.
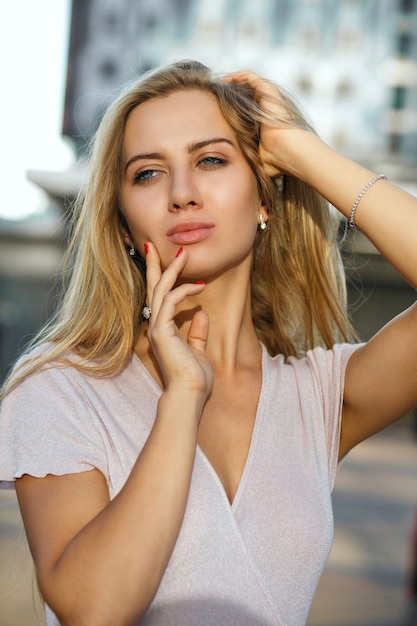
[(327, 375), (47, 426), (329, 367)]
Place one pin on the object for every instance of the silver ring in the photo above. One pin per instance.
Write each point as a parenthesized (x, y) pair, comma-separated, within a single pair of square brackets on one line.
[(146, 312)]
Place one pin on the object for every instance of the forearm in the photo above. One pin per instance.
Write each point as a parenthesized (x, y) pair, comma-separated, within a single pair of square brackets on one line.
[(110, 572), (386, 214)]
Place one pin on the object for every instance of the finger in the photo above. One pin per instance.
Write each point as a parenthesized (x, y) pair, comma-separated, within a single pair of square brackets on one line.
[(241, 76), (267, 94), (245, 79), (164, 312), (198, 332), (153, 271), (168, 278), (260, 85)]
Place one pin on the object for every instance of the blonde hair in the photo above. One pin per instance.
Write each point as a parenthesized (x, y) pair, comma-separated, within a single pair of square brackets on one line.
[(297, 281)]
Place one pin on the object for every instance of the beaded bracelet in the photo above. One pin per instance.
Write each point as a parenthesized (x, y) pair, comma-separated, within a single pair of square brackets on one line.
[(352, 223)]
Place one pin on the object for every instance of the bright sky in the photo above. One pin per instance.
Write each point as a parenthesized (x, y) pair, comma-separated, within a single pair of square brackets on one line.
[(33, 53)]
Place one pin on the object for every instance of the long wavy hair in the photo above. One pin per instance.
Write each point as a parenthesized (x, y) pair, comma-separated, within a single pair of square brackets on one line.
[(297, 281)]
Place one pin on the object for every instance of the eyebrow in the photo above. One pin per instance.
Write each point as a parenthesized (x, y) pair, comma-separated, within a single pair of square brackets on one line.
[(193, 147), (202, 144)]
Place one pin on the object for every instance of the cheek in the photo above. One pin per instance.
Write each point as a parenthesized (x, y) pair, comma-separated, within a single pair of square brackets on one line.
[(239, 192), (145, 228), (137, 215), (249, 202), (247, 188)]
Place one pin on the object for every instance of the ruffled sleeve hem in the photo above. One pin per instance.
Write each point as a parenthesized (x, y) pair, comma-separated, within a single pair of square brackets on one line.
[(10, 483)]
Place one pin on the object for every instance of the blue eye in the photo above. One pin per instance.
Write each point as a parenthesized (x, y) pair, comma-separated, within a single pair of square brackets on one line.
[(212, 161), (145, 176)]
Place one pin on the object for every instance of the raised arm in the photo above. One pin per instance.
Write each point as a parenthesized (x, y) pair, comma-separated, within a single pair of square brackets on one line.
[(381, 377), (386, 214), (100, 562)]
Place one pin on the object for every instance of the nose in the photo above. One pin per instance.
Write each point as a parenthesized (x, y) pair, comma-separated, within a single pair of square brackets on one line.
[(184, 192)]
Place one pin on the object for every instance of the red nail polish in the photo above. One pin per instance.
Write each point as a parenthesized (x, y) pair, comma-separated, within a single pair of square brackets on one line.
[(200, 282), (146, 248), (180, 251)]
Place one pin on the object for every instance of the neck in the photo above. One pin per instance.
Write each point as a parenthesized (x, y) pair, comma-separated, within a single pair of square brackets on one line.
[(232, 338)]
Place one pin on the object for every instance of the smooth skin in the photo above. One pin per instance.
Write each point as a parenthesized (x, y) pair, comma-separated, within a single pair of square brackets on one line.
[(100, 562)]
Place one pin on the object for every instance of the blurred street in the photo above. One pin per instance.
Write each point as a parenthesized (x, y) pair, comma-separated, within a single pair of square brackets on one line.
[(364, 582), (375, 501)]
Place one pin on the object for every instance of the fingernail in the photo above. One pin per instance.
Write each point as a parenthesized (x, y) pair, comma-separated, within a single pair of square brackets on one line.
[(146, 248), (180, 251), (200, 282)]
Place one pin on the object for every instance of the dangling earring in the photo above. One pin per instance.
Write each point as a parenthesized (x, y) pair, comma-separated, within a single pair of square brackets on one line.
[(132, 250), (262, 223)]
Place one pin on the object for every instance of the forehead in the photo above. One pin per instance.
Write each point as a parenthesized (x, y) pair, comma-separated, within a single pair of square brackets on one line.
[(182, 115)]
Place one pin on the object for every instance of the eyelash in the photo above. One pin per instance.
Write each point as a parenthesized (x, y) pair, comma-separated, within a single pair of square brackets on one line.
[(146, 176), (218, 161), (143, 177)]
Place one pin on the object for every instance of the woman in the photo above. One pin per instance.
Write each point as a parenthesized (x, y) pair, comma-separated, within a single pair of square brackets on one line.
[(174, 436)]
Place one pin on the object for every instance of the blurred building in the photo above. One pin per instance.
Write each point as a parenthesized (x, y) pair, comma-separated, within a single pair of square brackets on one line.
[(352, 64)]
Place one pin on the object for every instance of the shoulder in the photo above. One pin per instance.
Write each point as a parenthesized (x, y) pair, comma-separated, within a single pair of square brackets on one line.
[(46, 361), (317, 378), (45, 378), (317, 359), (325, 359)]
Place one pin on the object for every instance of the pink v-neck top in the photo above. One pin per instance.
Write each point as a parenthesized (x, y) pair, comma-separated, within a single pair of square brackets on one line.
[(256, 562)]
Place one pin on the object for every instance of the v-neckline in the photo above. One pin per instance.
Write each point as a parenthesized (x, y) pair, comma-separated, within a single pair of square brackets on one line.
[(252, 445), (253, 440)]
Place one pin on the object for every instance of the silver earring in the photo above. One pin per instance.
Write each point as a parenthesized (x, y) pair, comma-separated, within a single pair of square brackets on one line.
[(262, 223), (132, 250)]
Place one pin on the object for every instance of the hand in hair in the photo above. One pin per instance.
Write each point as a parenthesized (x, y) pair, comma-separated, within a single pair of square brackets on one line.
[(282, 122)]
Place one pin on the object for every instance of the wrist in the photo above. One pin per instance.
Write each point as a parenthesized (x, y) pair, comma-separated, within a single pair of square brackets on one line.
[(183, 403), (300, 149)]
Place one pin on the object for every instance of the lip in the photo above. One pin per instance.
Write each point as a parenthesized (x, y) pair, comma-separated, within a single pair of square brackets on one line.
[(190, 232)]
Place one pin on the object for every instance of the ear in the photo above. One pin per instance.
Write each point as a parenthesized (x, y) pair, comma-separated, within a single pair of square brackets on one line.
[(127, 237), (264, 211), (124, 229)]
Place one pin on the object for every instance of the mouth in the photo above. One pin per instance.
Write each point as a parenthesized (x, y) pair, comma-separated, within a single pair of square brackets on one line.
[(189, 232)]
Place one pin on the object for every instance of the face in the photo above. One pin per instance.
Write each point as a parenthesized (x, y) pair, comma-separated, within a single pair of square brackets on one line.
[(187, 183)]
